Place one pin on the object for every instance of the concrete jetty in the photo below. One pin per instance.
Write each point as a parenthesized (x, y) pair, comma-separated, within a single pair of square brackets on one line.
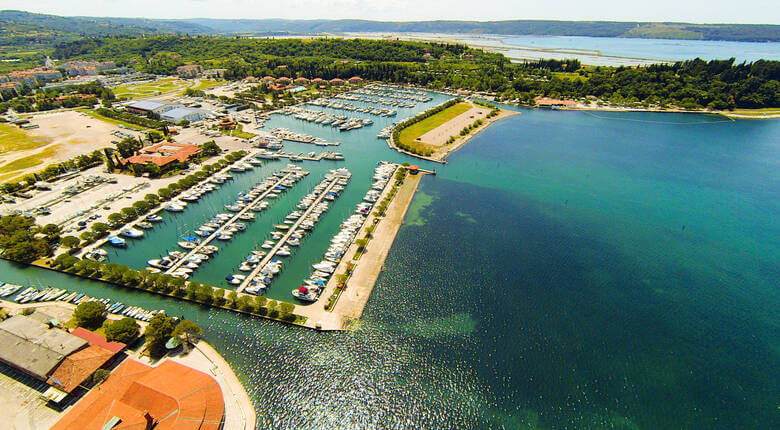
[(272, 252)]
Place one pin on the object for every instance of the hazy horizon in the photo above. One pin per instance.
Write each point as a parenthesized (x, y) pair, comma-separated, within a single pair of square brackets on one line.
[(664, 11)]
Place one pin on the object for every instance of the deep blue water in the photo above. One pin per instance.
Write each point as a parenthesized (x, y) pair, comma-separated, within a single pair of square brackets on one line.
[(564, 270)]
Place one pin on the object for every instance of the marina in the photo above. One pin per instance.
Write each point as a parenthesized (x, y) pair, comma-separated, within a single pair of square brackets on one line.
[(332, 180), (291, 173)]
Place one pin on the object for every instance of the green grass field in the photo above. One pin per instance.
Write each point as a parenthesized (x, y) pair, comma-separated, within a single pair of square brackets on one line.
[(756, 112), (13, 138), (409, 134), (162, 86), (25, 163)]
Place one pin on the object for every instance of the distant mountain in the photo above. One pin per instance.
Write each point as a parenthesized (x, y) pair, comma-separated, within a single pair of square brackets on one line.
[(735, 32), (44, 27)]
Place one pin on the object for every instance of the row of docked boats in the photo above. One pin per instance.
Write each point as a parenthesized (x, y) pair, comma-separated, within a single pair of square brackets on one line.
[(286, 134), (288, 235), (323, 118), (312, 287), (395, 93), (340, 105), (187, 262), (385, 133), (376, 101), (50, 294)]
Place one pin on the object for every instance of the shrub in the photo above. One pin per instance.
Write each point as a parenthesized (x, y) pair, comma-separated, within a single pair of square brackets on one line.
[(89, 314), (123, 330)]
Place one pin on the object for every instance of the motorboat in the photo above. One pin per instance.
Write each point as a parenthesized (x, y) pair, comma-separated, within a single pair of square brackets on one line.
[(187, 244), (145, 225), (235, 279), (173, 207), (116, 241), (132, 233), (154, 218)]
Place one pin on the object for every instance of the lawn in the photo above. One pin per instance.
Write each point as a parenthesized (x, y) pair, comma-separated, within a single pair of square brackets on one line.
[(162, 86), (13, 138), (409, 134), (27, 162), (206, 84), (148, 89), (756, 112)]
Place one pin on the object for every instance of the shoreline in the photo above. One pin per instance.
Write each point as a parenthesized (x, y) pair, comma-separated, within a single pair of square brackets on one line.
[(362, 280), (239, 411), (726, 114), (443, 151)]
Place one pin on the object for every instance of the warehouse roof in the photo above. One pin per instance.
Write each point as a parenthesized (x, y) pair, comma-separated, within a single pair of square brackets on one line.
[(34, 348), (148, 105)]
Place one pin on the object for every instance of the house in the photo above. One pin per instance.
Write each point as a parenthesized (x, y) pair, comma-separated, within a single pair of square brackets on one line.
[(284, 80), (147, 107), (215, 73), (301, 81), (189, 71), (79, 366), (86, 68), (268, 79), (227, 123), (553, 103), (337, 81), (169, 396), (355, 80), (163, 154), (178, 115), (33, 347)]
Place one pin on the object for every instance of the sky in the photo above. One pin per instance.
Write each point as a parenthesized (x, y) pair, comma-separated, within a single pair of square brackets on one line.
[(695, 11)]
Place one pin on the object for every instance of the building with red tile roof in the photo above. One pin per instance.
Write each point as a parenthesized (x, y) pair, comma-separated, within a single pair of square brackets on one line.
[(301, 81), (170, 396), (163, 154), (98, 340), (77, 367), (284, 80), (355, 80), (337, 81)]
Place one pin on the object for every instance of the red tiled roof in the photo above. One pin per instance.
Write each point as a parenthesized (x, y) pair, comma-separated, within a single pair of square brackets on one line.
[(176, 396), (163, 154), (98, 340), (78, 366)]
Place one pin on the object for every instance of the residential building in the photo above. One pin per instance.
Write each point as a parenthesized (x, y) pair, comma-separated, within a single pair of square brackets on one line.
[(163, 154)]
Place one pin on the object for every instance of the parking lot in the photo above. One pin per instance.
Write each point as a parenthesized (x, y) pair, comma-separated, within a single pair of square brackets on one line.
[(23, 408)]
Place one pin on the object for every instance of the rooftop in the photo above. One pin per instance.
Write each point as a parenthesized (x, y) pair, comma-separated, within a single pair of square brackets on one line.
[(31, 346), (164, 153), (146, 105), (174, 396)]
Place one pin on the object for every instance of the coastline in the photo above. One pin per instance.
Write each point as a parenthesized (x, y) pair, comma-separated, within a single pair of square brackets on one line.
[(726, 114), (361, 282), (443, 151)]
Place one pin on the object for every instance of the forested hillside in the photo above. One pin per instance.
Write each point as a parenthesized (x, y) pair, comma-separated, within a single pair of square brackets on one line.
[(691, 84)]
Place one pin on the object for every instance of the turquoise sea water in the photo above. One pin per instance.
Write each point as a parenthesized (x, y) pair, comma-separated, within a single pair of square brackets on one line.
[(564, 270)]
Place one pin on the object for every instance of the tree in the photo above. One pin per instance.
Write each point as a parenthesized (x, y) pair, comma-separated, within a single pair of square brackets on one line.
[(123, 330), (232, 297), (128, 146), (187, 331), (70, 241), (157, 333), (100, 228), (99, 376), (89, 314), (210, 148), (286, 307)]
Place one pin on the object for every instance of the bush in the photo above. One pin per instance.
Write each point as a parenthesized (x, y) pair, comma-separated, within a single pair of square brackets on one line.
[(123, 330), (89, 314)]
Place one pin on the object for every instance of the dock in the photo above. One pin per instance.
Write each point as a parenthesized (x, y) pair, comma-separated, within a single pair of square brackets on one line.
[(272, 252), (238, 214)]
